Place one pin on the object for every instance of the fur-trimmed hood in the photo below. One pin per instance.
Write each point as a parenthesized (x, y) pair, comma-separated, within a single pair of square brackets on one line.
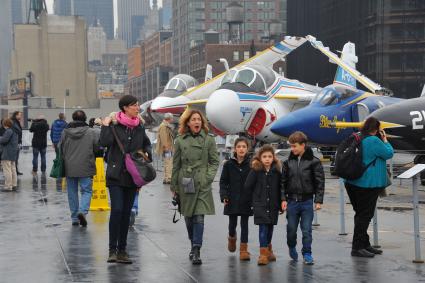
[(258, 166), (308, 154)]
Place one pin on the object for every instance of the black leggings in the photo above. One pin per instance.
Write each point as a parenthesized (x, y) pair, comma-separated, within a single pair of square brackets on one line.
[(233, 222)]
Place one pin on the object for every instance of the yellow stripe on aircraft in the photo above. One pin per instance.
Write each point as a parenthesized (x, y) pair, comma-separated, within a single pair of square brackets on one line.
[(384, 125)]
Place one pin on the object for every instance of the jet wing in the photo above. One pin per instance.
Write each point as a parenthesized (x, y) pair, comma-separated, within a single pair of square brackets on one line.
[(368, 83), (267, 57), (299, 98)]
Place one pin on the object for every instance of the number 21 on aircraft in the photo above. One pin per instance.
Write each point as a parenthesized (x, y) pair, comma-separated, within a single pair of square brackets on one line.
[(418, 118)]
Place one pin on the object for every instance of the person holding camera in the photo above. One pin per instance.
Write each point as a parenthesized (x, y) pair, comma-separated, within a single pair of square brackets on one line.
[(195, 164), (364, 191)]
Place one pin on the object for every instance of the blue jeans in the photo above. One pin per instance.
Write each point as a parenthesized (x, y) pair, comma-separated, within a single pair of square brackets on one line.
[(122, 199), (195, 229), (265, 233), (302, 213), (83, 205), (35, 152), (136, 204)]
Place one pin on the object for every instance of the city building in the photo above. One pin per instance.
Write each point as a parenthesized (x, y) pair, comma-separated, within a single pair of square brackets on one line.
[(20, 11), (5, 44), (389, 38), (92, 11), (150, 66), (131, 19), (96, 43), (252, 19), (55, 53), (165, 14)]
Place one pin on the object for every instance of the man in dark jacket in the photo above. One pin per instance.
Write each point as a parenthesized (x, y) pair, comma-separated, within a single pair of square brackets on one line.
[(39, 128), (302, 181), (78, 145), (17, 128), (57, 128)]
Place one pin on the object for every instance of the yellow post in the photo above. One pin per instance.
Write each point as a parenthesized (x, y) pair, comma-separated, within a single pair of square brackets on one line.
[(99, 199)]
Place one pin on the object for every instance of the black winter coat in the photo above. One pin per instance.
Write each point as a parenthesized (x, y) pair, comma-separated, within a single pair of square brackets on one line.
[(305, 180), (265, 188), (40, 128), (133, 140), (232, 188), (17, 129)]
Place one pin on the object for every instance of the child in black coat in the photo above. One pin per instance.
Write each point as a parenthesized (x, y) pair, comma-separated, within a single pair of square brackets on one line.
[(237, 201), (264, 183)]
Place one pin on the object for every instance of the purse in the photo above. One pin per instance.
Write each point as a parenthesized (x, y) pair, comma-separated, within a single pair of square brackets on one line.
[(58, 168), (137, 165)]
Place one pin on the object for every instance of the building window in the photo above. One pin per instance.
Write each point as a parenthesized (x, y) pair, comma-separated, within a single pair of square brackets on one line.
[(235, 55), (246, 55)]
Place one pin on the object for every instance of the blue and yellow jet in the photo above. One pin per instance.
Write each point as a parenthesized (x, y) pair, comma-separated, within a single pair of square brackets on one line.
[(338, 102)]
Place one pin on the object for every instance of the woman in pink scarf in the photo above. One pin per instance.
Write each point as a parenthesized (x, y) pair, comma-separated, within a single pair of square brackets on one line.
[(122, 190)]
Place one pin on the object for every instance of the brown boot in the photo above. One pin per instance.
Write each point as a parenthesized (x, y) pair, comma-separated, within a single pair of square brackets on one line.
[(231, 244), (263, 258), (243, 252), (271, 256)]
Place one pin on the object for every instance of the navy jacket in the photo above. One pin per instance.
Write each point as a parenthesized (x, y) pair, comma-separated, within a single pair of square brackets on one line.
[(57, 128)]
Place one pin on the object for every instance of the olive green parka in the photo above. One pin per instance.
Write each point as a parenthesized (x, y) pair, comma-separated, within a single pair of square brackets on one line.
[(195, 156)]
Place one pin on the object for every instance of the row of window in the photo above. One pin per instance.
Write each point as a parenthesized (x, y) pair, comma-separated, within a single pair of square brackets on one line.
[(248, 5)]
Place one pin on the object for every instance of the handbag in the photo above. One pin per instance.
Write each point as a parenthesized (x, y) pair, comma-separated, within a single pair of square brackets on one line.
[(137, 164), (58, 168)]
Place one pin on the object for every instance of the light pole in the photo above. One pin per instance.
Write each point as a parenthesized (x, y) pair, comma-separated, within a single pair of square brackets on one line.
[(64, 101)]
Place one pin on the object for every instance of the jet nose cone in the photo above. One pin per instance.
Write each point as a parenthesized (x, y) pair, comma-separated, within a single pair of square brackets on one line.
[(223, 111), (286, 125), (168, 104)]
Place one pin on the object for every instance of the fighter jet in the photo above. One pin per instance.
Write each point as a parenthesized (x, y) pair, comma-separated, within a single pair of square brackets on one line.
[(338, 102), (201, 93), (175, 87), (254, 97)]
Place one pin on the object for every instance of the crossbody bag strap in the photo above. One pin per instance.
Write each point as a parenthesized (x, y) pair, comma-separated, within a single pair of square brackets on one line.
[(120, 145)]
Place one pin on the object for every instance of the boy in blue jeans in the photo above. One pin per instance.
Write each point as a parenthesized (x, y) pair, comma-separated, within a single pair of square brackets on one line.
[(303, 186)]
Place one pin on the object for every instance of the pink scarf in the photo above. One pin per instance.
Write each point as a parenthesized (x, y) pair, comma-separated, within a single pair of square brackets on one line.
[(127, 121)]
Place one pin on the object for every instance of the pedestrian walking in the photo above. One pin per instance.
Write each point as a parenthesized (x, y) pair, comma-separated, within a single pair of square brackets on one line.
[(237, 201), (17, 127), (39, 128), (195, 164), (78, 145), (264, 182), (122, 190), (165, 145), (9, 146), (57, 128), (303, 186), (364, 191)]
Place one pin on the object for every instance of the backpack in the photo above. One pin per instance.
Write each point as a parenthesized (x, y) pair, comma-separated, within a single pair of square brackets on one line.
[(348, 159)]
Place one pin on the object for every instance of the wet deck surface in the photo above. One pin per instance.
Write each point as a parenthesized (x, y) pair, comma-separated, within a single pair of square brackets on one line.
[(38, 243)]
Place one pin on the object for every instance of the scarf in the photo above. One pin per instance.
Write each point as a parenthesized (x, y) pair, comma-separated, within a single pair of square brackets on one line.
[(127, 121)]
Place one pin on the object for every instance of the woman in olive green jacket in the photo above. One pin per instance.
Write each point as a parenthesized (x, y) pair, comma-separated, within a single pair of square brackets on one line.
[(195, 164)]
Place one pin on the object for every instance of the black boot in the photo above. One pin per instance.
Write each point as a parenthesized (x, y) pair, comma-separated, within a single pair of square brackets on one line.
[(191, 253), (112, 256), (196, 260), (123, 257), (373, 250), (361, 253)]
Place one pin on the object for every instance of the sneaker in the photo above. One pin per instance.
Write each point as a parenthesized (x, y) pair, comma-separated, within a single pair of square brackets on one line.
[(82, 218), (19, 173), (293, 253), (123, 257), (308, 259), (112, 256), (132, 218)]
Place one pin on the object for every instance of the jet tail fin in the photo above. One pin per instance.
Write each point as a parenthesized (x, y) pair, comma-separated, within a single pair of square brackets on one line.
[(348, 55)]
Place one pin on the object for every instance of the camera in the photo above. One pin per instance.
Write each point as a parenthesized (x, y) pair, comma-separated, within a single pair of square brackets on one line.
[(176, 200)]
